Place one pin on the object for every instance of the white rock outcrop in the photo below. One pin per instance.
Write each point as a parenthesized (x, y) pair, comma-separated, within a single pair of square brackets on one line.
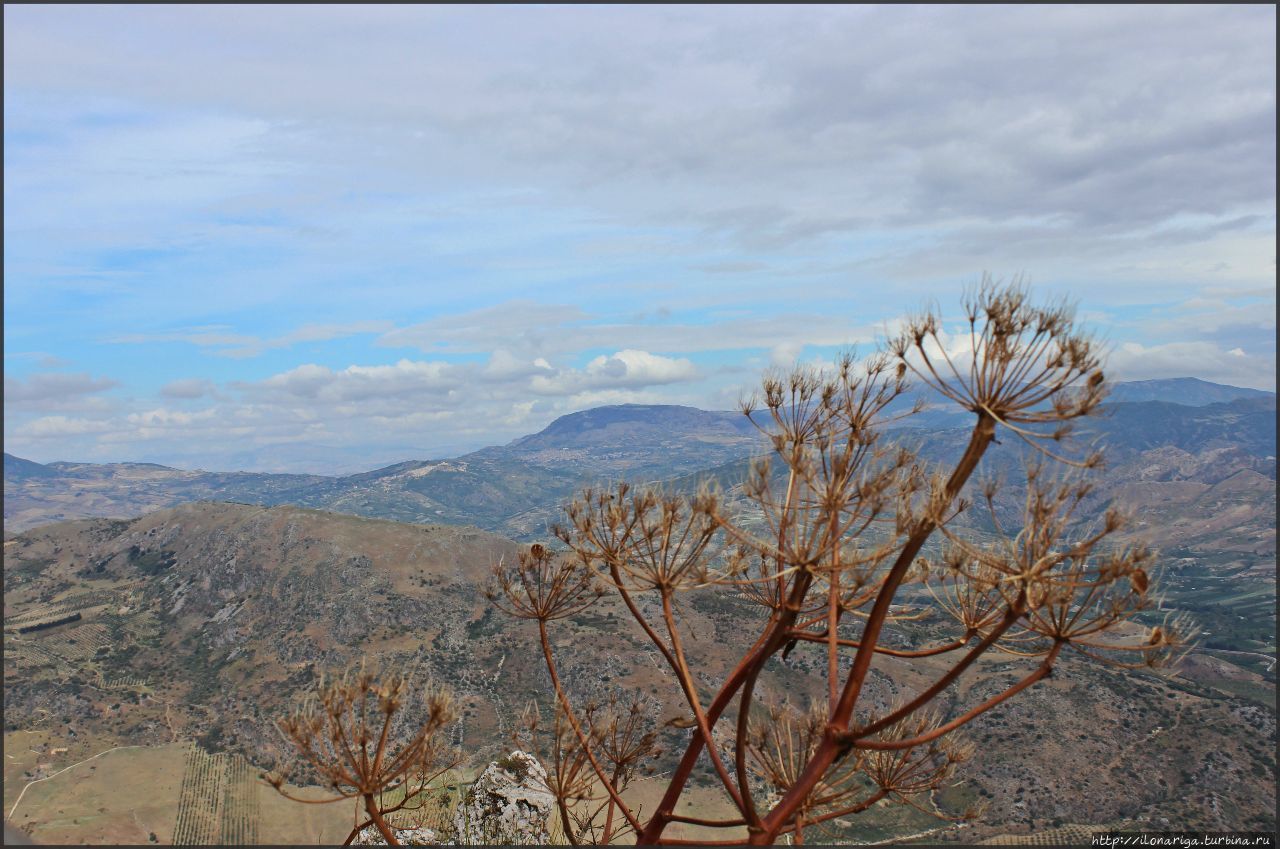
[(508, 804), (407, 837)]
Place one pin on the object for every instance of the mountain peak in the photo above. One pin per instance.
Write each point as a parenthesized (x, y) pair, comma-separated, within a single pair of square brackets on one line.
[(20, 469), (651, 424)]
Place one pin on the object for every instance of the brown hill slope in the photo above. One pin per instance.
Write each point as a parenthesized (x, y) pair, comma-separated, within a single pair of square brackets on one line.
[(204, 621)]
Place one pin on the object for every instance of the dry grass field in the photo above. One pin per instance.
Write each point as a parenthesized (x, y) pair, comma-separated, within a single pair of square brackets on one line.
[(151, 794)]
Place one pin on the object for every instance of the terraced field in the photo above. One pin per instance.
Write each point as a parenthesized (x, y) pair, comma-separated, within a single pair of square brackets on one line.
[(218, 803), (79, 646), (1234, 601), (1067, 835), (84, 603)]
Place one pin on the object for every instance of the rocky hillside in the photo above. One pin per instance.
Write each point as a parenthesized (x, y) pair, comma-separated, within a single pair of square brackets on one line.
[(204, 622), (223, 611)]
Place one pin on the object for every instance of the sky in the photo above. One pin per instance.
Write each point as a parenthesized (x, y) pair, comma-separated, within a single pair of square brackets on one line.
[(328, 238)]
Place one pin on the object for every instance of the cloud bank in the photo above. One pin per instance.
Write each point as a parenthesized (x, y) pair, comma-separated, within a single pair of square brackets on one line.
[(463, 222)]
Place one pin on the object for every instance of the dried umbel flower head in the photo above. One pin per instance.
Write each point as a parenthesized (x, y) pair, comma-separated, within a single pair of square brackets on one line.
[(1028, 367), (915, 767), (1162, 647), (781, 742), (969, 592), (1066, 584), (622, 733), (646, 539), (352, 732), (824, 431), (544, 585)]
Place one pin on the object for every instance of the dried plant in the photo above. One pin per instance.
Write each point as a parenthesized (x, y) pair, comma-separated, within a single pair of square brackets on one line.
[(622, 735), (846, 518), (353, 732)]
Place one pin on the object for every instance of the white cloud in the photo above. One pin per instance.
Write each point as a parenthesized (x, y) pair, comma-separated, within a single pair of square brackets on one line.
[(240, 346), (60, 427), (40, 358), (627, 369), (639, 368), (307, 333), (785, 354), (503, 365), (1098, 132), (315, 383), (165, 418), (53, 389), (522, 328), (188, 388), (517, 325)]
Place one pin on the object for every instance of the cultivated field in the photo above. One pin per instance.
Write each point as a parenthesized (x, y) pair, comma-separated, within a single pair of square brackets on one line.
[(172, 795)]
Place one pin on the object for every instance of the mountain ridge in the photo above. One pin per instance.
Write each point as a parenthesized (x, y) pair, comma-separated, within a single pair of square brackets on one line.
[(517, 489), (1190, 391)]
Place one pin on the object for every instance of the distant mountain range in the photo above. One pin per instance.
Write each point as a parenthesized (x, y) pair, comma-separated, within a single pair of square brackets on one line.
[(1188, 391), (493, 488), (517, 489)]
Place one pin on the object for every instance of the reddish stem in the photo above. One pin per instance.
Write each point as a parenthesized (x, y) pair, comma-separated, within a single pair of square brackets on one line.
[(372, 809), (831, 747)]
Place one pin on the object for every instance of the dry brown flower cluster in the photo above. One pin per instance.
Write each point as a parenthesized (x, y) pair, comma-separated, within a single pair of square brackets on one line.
[(620, 739), (846, 518), (351, 732)]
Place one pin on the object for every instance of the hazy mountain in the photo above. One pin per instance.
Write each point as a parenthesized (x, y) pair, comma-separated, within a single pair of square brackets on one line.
[(1188, 391), (494, 487), (1246, 423), (517, 489), (657, 426), (18, 469), (35, 494)]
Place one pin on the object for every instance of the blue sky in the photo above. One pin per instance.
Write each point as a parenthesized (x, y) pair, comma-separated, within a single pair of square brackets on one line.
[(328, 238)]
